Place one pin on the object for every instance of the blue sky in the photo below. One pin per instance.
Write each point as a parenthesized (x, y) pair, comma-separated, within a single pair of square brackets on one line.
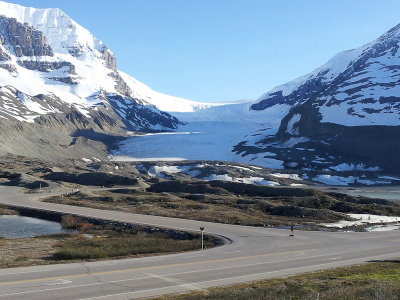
[(223, 50)]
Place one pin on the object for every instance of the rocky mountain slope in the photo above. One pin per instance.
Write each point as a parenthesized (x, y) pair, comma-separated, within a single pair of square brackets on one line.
[(358, 85), (62, 95), (344, 116), (56, 77), (340, 123)]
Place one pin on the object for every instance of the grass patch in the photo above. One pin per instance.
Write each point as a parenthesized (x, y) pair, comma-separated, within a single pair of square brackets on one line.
[(7, 211), (124, 245), (378, 280), (96, 242)]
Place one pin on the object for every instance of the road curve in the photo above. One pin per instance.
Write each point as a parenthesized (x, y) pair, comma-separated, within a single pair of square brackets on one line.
[(253, 253)]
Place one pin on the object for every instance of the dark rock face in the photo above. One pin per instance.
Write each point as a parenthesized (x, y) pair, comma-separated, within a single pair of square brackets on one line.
[(335, 109), (112, 113), (65, 132), (25, 40), (10, 68), (217, 187), (300, 95), (139, 116), (75, 51), (3, 55), (332, 144), (110, 59), (96, 179), (65, 80), (121, 86), (29, 44), (111, 62), (46, 66), (104, 120)]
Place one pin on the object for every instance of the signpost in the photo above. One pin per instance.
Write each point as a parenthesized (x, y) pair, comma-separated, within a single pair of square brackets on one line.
[(292, 230), (202, 239)]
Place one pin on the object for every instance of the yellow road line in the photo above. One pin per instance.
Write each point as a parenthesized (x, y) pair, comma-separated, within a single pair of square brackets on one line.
[(152, 267)]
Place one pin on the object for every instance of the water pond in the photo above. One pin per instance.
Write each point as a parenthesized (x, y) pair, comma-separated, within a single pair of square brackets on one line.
[(393, 195), (13, 227)]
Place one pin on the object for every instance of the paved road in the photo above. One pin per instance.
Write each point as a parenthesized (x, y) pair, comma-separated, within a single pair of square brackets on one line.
[(253, 253)]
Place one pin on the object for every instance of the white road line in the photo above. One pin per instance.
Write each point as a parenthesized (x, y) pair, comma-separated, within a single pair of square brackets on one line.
[(233, 251), (235, 277), (59, 282), (109, 263), (190, 286), (223, 268), (161, 259), (170, 274), (50, 289)]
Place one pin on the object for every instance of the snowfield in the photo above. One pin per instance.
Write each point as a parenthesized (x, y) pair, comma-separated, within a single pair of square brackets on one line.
[(289, 176), (209, 134), (247, 180), (195, 141), (344, 181), (351, 167), (374, 222)]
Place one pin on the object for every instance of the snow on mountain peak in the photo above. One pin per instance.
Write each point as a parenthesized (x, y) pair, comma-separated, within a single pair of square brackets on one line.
[(164, 102), (44, 53), (63, 34), (90, 66), (392, 33), (353, 88), (335, 66)]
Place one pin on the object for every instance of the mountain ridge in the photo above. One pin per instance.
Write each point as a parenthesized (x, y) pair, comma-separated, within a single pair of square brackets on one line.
[(58, 81), (337, 73), (346, 112), (55, 73)]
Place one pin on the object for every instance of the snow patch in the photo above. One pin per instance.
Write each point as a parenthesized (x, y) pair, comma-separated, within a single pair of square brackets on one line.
[(161, 171), (248, 180), (334, 180), (364, 219), (241, 168), (339, 180), (351, 167), (288, 176), (87, 160), (389, 177)]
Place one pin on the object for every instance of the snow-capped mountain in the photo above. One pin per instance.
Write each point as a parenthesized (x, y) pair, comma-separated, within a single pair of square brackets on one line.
[(356, 87), (346, 112), (342, 117), (58, 83), (164, 102), (45, 52), (58, 80)]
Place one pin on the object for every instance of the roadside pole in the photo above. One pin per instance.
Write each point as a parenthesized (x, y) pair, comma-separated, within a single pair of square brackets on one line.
[(292, 230), (202, 238)]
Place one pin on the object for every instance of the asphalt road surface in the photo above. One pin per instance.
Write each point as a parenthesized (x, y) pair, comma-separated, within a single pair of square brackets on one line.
[(252, 253)]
